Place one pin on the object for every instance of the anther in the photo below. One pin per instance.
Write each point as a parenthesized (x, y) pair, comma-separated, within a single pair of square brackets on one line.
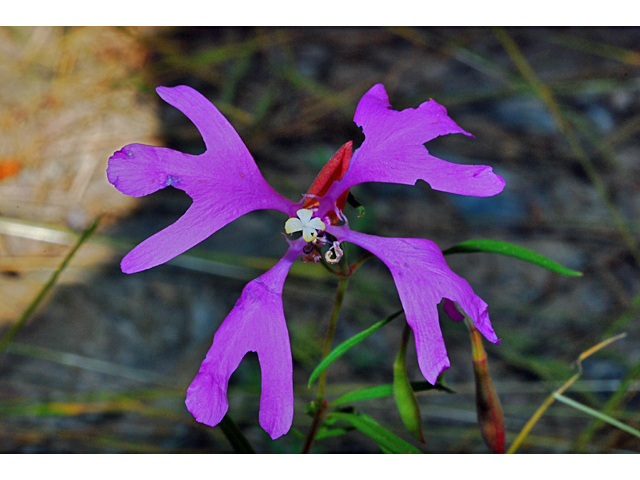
[(334, 254)]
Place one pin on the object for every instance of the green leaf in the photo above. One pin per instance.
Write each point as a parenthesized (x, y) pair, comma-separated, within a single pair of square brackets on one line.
[(381, 391), (387, 441), (511, 250), (378, 391), (594, 413), (325, 432), (346, 345)]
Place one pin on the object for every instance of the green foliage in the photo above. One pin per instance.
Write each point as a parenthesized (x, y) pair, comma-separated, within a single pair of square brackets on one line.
[(381, 391), (511, 250), (348, 344), (388, 442), (594, 413)]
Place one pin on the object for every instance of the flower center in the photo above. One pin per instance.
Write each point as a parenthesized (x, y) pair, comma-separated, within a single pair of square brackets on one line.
[(306, 224)]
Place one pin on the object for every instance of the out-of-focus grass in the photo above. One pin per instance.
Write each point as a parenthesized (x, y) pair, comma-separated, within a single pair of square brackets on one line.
[(5, 340)]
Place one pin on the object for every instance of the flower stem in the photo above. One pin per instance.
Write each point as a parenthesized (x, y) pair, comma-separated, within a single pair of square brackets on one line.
[(331, 329), (238, 441), (321, 404)]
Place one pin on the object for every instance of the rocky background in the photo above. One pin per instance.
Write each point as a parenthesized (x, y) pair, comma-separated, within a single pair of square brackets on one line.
[(103, 363)]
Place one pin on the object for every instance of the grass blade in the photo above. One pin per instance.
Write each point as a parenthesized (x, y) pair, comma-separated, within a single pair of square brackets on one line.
[(381, 391), (549, 400), (388, 442), (511, 250), (597, 414), (346, 345), (6, 340)]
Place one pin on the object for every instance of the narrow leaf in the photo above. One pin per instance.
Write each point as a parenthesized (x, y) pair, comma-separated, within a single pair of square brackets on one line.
[(383, 437), (346, 345), (325, 432), (594, 413), (381, 391), (511, 250)]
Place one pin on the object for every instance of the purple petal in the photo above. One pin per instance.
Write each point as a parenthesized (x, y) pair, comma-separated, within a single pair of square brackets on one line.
[(224, 182), (220, 138), (139, 170), (423, 279), (450, 309), (393, 150), (256, 324)]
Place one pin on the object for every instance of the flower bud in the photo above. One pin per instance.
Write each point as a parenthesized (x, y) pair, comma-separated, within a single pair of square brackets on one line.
[(488, 405), (403, 392)]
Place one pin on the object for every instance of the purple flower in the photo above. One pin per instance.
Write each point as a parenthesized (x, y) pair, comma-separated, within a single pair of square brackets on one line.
[(225, 183)]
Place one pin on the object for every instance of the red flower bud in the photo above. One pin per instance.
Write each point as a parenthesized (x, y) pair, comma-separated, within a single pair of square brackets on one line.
[(488, 404)]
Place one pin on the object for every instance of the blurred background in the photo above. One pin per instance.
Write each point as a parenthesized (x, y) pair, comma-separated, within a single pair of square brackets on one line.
[(103, 362)]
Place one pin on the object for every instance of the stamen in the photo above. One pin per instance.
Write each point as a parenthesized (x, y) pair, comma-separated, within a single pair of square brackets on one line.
[(340, 214), (320, 241), (334, 254), (314, 257), (309, 195)]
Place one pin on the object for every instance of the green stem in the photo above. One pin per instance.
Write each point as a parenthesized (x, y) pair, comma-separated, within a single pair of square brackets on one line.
[(321, 404), (238, 441), (331, 330)]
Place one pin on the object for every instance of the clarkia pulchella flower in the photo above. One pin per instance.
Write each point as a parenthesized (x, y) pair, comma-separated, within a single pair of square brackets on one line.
[(225, 183)]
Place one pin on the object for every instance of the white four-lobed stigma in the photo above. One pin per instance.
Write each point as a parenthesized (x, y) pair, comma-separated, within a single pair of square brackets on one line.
[(305, 224)]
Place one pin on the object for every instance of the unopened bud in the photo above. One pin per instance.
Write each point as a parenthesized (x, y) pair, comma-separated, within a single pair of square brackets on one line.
[(403, 393), (488, 405)]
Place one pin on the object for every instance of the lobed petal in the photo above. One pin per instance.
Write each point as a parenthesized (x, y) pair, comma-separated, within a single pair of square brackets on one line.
[(393, 150), (309, 234), (139, 170), (256, 324), (423, 279), (293, 225), (304, 214), (224, 182), (450, 309), (316, 223)]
